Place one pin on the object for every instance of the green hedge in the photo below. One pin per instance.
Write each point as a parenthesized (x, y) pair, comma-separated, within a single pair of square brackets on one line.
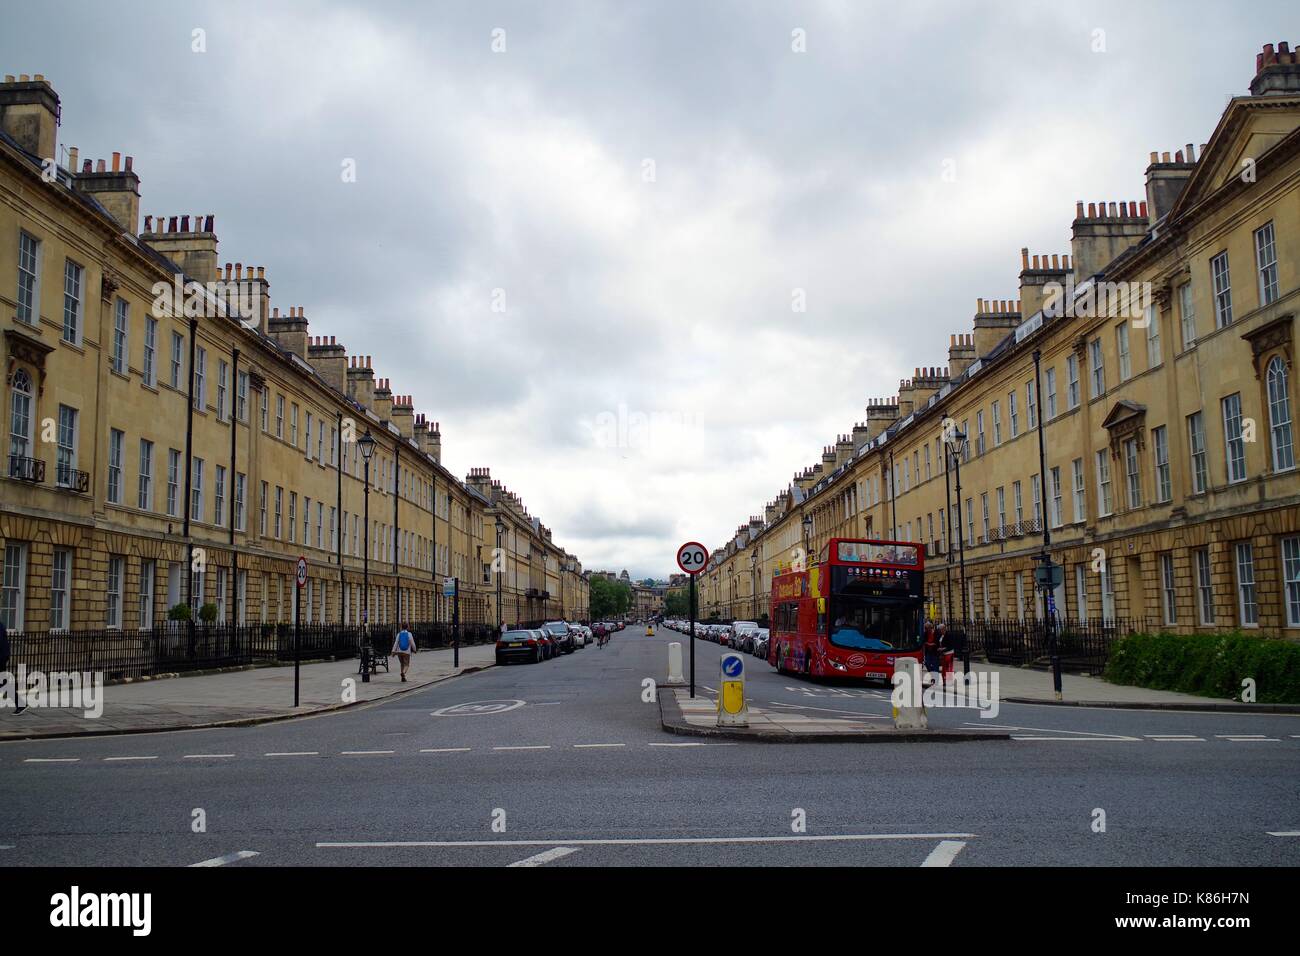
[(1210, 665)]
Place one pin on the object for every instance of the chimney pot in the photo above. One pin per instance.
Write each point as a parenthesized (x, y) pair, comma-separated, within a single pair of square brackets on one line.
[(1092, 210), (117, 162), (129, 161)]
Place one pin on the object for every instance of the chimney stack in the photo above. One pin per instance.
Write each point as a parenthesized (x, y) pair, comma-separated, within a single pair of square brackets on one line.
[(995, 319), (1165, 181), (361, 381), (116, 189), (330, 360), (193, 250), (1104, 231), (29, 113), (289, 331), (1036, 275), (1277, 72), (961, 354)]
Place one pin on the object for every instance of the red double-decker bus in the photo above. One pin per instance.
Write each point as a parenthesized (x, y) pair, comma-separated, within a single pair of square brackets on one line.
[(855, 610)]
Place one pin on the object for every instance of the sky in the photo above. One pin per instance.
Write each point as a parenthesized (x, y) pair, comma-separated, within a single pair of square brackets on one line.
[(642, 259)]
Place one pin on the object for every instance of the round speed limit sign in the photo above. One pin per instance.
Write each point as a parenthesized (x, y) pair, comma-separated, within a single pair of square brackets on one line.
[(692, 557)]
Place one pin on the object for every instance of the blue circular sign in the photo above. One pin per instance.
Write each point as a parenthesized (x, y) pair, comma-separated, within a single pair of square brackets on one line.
[(732, 666)]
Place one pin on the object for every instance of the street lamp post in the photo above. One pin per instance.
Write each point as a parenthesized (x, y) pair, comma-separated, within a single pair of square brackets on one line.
[(1049, 569), (947, 557), (807, 540), (753, 581), (367, 445), (501, 527), (956, 443)]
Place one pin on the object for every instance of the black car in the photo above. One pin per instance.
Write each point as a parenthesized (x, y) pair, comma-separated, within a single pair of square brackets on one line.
[(559, 631), (520, 646)]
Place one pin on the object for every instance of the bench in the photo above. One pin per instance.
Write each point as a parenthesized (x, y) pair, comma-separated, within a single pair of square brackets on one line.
[(377, 653)]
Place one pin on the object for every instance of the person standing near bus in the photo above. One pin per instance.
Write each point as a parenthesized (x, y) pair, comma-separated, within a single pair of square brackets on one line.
[(404, 647)]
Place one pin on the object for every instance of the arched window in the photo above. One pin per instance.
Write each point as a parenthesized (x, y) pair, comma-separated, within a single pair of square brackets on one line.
[(1279, 415), (20, 415)]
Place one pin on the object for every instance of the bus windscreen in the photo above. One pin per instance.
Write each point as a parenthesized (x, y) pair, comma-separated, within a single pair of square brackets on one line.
[(866, 552), (866, 625)]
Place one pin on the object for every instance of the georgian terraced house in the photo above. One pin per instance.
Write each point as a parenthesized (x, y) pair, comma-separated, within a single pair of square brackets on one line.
[(113, 473), (1167, 390)]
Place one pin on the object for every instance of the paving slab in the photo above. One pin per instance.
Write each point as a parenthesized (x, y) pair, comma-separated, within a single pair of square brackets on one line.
[(679, 713), (237, 697)]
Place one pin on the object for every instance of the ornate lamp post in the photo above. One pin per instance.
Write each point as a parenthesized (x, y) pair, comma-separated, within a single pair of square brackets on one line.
[(501, 527), (367, 445), (956, 444)]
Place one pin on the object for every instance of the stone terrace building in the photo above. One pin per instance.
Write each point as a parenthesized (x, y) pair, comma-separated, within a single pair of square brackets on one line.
[(112, 473), (1166, 384)]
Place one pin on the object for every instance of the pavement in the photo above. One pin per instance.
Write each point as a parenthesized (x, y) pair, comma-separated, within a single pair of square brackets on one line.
[(232, 698), (565, 763)]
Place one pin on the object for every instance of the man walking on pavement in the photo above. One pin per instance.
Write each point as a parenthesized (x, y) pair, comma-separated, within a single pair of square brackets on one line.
[(4, 668), (404, 647)]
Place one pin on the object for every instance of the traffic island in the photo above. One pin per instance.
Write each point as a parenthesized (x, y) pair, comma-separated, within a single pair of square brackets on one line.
[(698, 717)]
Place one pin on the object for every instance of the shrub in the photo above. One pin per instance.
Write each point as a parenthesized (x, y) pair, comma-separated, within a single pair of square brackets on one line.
[(1210, 665), (208, 613), (179, 612)]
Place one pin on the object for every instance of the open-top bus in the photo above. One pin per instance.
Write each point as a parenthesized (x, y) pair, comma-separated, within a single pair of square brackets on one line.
[(852, 613)]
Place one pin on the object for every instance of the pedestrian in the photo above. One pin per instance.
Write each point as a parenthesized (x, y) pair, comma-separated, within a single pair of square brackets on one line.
[(931, 648), (4, 668), (404, 647)]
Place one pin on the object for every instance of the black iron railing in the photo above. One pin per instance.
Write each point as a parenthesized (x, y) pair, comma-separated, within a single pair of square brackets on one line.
[(66, 476), (1084, 644), (26, 469), (175, 647)]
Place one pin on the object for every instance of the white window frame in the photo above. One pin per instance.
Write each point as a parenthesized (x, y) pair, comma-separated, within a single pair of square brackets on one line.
[(1105, 500), (74, 305), (1221, 286), (1234, 445), (1266, 263), (1168, 589), (113, 491), (1204, 586), (29, 279), (1280, 434), (144, 485), (1160, 458), (1187, 315), (1290, 548), (121, 332), (1247, 597), (1080, 492), (114, 590), (61, 589)]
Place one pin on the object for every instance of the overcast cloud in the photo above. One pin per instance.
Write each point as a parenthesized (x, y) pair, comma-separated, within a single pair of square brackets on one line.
[(648, 381)]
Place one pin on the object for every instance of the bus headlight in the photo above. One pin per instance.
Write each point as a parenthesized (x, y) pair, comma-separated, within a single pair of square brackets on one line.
[(836, 664)]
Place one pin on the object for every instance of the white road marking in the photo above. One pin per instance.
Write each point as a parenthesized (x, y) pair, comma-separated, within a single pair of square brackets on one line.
[(1157, 739), (445, 750), (1284, 833), (828, 710), (1082, 740), (544, 703), (363, 753), (532, 747), (204, 756), (294, 753), (130, 758), (1174, 737), (546, 857), (944, 853), (1253, 740), (1240, 736), (588, 746), (1083, 734), (678, 745), (656, 841), (51, 759), (228, 858)]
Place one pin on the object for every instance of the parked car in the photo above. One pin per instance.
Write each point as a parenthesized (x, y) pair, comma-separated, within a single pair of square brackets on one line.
[(549, 648), (579, 636), (761, 640), (742, 634), (559, 631), (520, 646)]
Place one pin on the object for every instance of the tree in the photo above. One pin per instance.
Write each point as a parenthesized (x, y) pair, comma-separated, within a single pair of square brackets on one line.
[(609, 598), (677, 602)]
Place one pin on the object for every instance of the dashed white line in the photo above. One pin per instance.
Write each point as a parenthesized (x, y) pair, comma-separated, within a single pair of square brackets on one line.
[(1283, 833), (364, 753), (445, 750), (228, 858), (106, 759), (204, 756), (678, 745), (1240, 736), (531, 747), (293, 753), (944, 853), (51, 759), (546, 856), (643, 841), (1252, 740), (593, 746)]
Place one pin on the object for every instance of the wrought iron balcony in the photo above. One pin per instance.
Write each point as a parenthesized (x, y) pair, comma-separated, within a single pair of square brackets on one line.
[(68, 477), (26, 469)]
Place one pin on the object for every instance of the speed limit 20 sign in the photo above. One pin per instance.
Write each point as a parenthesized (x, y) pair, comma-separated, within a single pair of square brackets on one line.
[(692, 557)]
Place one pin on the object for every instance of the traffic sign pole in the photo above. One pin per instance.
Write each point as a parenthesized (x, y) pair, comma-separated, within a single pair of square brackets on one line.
[(692, 637), (692, 557), (301, 582)]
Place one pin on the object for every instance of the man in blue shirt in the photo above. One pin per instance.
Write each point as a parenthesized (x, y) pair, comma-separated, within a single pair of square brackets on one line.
[(404, 647)]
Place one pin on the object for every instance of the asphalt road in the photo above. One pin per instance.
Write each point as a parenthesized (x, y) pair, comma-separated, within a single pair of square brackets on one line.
[(569, 767)]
